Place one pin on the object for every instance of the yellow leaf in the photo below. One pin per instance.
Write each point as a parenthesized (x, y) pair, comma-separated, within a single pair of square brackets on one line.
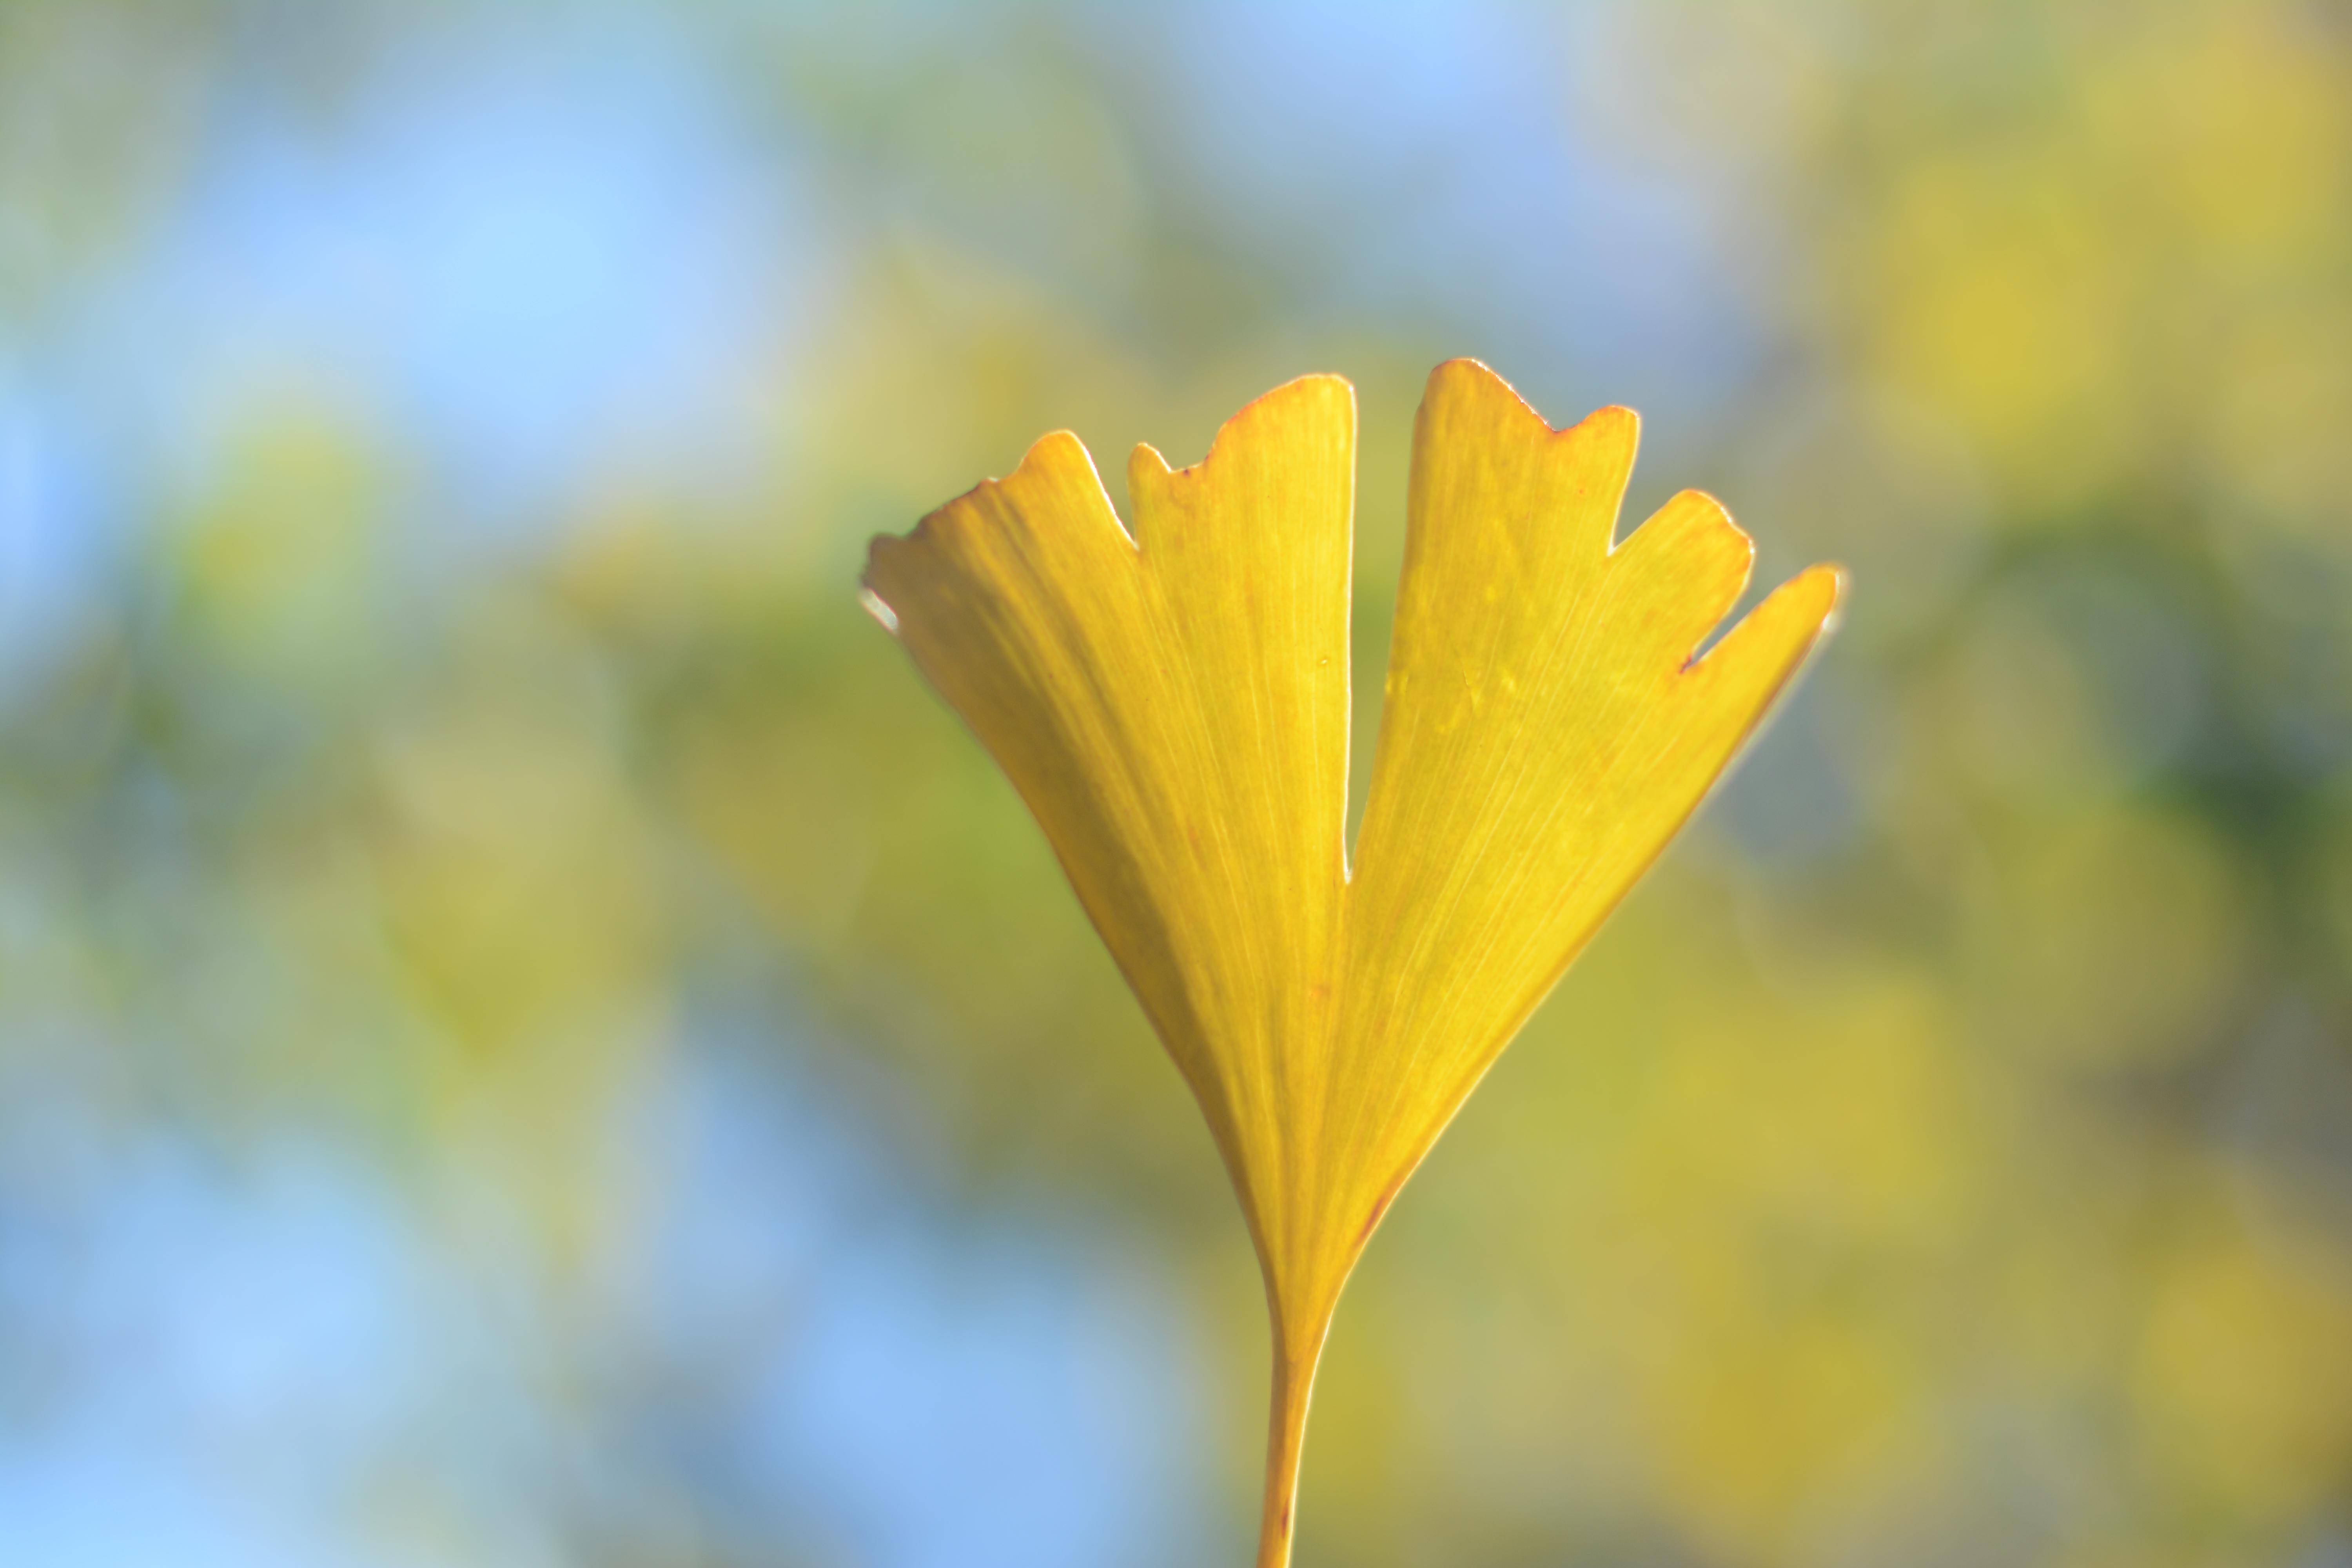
[(1173, 708)]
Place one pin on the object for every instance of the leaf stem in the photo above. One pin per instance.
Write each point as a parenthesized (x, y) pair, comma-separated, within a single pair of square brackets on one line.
[(1294, 1385)]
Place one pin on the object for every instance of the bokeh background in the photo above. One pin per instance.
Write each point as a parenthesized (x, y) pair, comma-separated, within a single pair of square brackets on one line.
[(527, 1037)]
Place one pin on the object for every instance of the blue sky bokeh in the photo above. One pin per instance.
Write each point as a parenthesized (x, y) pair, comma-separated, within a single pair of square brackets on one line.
[(527, 1037)]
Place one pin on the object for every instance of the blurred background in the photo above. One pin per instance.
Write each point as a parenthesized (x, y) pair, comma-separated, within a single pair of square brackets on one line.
[(528, 1038)]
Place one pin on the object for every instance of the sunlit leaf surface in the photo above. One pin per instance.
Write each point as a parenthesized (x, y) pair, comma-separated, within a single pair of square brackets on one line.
[(1173, 706)]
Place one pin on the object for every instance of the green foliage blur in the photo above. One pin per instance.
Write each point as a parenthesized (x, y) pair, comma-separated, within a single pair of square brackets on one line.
[(1945, 1157)]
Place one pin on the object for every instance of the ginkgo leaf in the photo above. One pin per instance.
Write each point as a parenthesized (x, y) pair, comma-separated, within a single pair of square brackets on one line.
[(1173, 707)]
